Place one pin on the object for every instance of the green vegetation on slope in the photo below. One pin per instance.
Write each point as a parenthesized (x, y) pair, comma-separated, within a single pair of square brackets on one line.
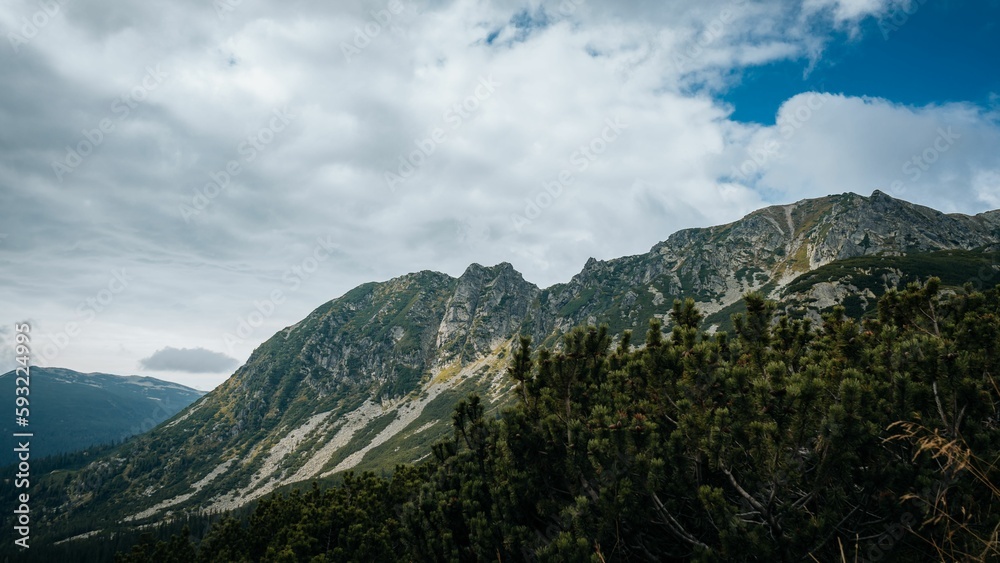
[(869, 439), (953, 267)]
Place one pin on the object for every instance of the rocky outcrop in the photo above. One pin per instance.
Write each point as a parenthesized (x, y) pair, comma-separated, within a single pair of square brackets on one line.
[(487, 306)]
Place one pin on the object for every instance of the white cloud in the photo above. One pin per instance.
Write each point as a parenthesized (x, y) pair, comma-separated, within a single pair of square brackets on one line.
[(653, 66), (986, 187), (939, 155)]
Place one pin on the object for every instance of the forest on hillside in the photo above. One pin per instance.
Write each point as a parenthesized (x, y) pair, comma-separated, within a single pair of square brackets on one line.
[(873, 439)]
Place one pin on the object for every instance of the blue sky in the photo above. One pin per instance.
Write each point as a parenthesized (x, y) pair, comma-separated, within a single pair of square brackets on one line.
[(931, 53), (181, 180)]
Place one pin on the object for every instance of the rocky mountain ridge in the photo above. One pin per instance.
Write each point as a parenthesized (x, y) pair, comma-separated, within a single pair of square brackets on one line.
[(369, 379)]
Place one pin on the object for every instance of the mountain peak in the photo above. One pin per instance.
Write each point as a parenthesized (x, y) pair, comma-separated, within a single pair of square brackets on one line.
[(476, 268), (882, 198), (473, 269), (486, 305)]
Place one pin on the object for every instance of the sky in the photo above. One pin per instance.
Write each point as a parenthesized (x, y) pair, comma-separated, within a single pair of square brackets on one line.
[(181, 180)]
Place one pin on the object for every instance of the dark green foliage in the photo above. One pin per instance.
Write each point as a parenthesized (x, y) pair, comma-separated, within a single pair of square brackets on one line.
[(149, 544), (953, 267), (357, 520), (178, 549), (779, 442)]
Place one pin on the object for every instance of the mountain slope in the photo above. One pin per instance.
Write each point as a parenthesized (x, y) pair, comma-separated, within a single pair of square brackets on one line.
[(72, 411), (370, 379)]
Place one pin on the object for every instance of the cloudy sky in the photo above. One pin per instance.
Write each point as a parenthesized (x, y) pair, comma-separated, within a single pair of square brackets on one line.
[(180, 180)]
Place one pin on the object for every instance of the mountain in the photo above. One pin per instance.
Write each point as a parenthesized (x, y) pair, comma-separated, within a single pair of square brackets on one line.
[(71, 411), (370, 379)]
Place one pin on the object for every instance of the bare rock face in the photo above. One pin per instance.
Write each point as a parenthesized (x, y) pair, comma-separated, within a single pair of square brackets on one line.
[(383, 336), (884, 225), (486, 308)]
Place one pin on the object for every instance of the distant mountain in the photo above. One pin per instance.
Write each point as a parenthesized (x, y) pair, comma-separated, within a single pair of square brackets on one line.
[(71, 411), (370, 379)]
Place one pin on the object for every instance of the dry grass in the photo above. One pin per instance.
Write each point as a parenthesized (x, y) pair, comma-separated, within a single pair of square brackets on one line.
[(961, 538)]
